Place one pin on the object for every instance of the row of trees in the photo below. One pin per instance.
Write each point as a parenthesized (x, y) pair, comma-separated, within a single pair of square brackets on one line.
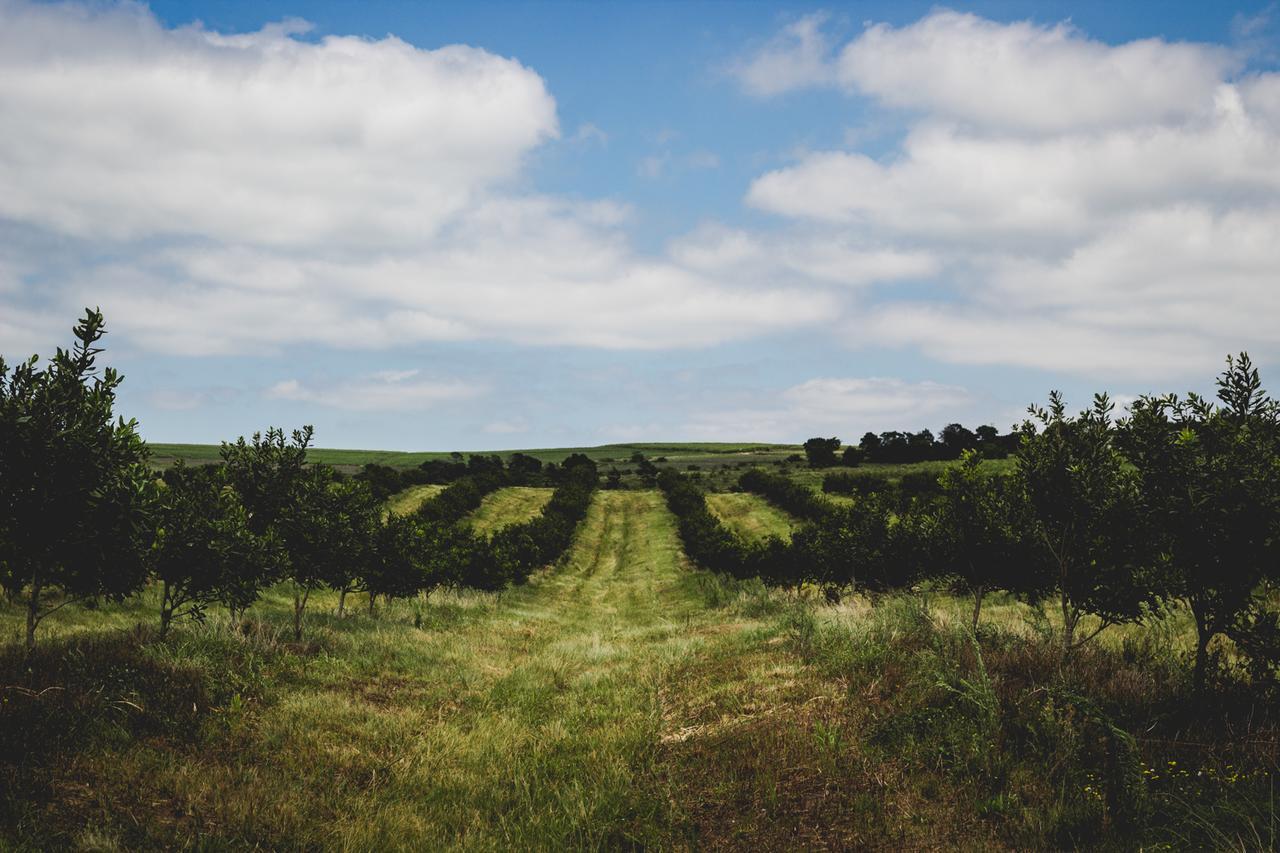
[(898, 447), (520, 469), (1179, 502), (82, 515)]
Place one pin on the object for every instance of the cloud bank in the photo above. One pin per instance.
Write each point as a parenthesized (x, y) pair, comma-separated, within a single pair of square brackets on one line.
[(1092, 208), (223, 194)]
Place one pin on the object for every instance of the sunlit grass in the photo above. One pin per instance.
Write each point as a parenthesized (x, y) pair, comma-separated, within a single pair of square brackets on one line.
[(751, 516), (405, 502), (510, 505)]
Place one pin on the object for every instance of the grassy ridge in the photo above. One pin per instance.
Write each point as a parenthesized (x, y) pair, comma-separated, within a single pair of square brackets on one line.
[(405, 502), (510, 505), (690, 452), (751, 516)]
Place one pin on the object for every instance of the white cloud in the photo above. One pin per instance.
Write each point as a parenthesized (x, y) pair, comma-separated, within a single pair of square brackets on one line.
[(1027, 77), (829, 257), (117, 127), (1086, 207), (388, 391), (840, 406), (240, 193), (511, 427), (534, 271), (799, 56)]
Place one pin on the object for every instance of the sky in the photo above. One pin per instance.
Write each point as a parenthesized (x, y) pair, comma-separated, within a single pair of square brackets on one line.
[(488, 225)]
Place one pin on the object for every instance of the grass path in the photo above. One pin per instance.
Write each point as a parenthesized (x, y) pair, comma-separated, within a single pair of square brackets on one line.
[(605, 704), (751, 516), (510, 505), (405, 502)]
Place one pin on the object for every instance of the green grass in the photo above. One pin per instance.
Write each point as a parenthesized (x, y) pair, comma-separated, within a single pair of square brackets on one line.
[(812, 477), (751, 516), (679, 452), (510, 505), (618, 700), (526, 720), (405, 502)]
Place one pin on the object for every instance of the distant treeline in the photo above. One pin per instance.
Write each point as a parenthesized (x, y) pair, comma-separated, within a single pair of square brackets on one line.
[(897, 447), (520, 469)]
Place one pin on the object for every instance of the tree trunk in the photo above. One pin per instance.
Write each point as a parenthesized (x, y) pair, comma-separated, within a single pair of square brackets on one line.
[(1203, 636), (342, 600), (300, 595), (33, 613), (372, 597), (1069, 619), (166, 611), (978, 592)]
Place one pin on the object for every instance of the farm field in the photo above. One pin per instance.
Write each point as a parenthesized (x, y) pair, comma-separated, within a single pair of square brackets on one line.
[(751, 516), (564, 714), (683, 453), (509, 505), (622, 698)]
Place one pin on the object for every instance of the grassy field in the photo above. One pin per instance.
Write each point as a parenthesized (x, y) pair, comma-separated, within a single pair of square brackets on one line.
[(562, 715), (619, 700), (403, 503), (510, 505), (684, 453), (751, 516)]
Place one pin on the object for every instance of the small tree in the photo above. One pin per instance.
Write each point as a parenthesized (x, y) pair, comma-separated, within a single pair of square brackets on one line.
[(204, 550), (981, 522), (74, 485), (397, 566), (1211, 494), (328, 533), (267, 473), (821, 452), (852, 456), (1084, 502)]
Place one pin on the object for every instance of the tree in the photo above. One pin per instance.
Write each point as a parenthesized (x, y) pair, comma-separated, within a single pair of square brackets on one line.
[(204, 551), (329, 533), (821, 452), (74, 485), (955, 440), (267, 474), (397, 565), (851, 457), (1211, 495), (1084, 502), (981, 523)]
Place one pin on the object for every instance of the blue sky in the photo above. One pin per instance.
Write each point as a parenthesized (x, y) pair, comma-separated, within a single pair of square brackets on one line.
[(626, 221)]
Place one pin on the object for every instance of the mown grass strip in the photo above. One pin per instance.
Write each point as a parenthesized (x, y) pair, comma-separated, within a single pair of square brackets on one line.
[(751, 516), (403, 503), (509, 505)]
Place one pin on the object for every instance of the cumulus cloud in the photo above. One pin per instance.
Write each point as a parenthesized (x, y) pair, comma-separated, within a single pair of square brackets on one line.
[(797, 57), (1086, 206), (389, 391), (1027, 77), (827, 256), (118, 127), (837, 405), (221, 193)]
